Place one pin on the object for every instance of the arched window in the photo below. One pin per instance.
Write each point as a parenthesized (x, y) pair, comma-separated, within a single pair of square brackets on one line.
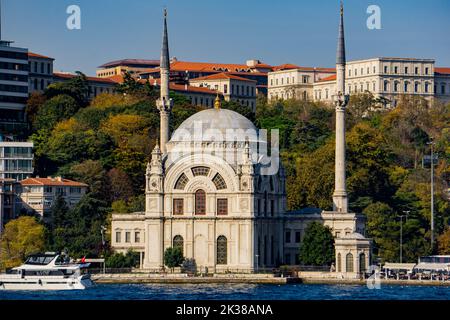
[(178, 242), (406, 86), (339, 263), (200, 171), (222, 244), (349, 263), (219, 182), (181, 182), (362, 262), (200, 202)]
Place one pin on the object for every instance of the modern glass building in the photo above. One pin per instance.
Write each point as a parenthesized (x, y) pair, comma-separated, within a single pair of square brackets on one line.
[(16, 160)]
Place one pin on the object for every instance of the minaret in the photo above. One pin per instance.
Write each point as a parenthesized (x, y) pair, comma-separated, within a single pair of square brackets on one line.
[(340, 201), (164, 103)]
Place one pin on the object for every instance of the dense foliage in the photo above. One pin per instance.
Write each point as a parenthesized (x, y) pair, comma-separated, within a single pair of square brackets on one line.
[(20, 238), (108, 142), (317, 247)]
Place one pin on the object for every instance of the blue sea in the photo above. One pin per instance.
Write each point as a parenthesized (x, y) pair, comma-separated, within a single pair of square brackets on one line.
[(237, 292)]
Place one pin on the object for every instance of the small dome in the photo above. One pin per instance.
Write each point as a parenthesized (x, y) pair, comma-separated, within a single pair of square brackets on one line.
[(211, 121)]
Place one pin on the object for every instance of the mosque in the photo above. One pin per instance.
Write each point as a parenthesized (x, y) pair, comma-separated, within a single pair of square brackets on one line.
[(210, 192)]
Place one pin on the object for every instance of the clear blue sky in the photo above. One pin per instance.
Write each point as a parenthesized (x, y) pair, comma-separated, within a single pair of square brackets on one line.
[(231, 31)]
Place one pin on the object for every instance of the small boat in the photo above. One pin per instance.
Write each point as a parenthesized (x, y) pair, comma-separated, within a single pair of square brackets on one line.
[(48, 271)]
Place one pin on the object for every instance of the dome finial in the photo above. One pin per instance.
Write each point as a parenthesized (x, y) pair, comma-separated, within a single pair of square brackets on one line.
[(217, 102)]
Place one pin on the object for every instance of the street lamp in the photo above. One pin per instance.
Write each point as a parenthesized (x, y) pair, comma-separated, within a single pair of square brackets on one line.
[(401, 233), (431, 144)]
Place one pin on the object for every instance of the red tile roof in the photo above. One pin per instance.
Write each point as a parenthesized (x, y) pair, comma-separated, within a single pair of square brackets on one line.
[(285, 66), (35, 55), (442, 70), (330, 78), (181, 87), (51, 182), (222, 75), (94, 79)]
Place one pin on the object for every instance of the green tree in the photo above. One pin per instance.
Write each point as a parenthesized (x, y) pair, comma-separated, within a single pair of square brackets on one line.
[(21, 237), (54, 110), (173, 257), (317, 247), (76, 87), (120, 260)]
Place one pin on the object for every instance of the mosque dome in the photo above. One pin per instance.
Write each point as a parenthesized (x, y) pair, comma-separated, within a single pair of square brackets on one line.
[(215, 121)]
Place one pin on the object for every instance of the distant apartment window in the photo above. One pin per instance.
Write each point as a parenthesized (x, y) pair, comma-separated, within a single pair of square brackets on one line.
[(426, 87), (374, 69), (349, 72), (416, 70), (118, 236), (386, 86), (35, 84), (426, 70), (385, 69), (288, 237), (35, 67), (406, 86), (42, 67), (232, 89), (374, 86), (271, 82), (395, 86), (137, 237), (127, 237), (305, 79), (356, 88), (49, 68), (297, 237), (282, 81), (368, 70), (356, 72), (406, 70), (416, 87), (326, 93), (443, 88), (222, 207), (349, 89), (362, 71), (293, 80), (395, 70), (362, 87), (48, 189), (42, 84), (287, 80), (178, 206), (287, 259), (225, 89), (248, 90), (276, 81)]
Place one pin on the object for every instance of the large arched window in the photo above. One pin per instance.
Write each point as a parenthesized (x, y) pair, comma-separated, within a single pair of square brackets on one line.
[(178, 242), (339, 263), (219, 182), (222, 244), (349, 263), (181, 182), (200, 202), (362, 262)]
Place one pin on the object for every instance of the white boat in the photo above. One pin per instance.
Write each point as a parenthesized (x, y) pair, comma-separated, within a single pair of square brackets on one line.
[(47, 271)]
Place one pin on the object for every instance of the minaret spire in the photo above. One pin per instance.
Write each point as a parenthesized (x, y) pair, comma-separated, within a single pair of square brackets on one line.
[(164, 103), (340, 201)]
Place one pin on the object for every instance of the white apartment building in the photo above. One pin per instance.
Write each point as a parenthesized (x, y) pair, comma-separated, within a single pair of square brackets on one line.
[(295, 82), (389, 78), (39, 194), (16, 160), (232, 87)]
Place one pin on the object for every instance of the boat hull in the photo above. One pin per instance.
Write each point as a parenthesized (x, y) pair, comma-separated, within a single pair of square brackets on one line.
[(44, 283)]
